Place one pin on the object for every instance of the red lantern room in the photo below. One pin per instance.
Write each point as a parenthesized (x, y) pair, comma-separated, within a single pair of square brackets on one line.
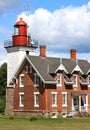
[(20, 37)]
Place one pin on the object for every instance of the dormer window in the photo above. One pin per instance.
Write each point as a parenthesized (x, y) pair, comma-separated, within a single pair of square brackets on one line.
[(16, 30), (89, 79), (59, 79), (75, 80)]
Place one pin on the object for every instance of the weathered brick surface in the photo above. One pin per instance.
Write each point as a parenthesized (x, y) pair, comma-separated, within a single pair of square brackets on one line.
[(9, 100), (45, 108)]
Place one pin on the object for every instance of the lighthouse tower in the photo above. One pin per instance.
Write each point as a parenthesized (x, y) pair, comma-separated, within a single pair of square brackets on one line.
[(17, 47)]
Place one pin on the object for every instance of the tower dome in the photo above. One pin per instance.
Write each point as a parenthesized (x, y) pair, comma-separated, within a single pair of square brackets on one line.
[(21, 37), (20, 22)]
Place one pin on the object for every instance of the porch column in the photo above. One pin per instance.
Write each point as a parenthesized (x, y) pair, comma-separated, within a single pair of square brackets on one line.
[(80, 103), (87, 103)]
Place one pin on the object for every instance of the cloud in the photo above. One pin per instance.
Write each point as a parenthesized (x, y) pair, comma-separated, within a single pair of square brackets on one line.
[(3, 57), (62, 29), (8, 4)]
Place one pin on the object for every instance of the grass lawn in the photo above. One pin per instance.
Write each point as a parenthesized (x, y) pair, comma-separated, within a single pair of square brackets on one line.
[(44, 124)]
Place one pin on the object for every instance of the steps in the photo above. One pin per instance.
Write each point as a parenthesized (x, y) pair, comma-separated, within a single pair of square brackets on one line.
[(78, 114)]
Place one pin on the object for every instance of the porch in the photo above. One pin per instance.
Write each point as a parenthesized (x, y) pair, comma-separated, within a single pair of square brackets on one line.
[(80, 102)]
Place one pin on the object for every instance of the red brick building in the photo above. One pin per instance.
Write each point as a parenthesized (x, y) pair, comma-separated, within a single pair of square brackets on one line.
[(48, 86)]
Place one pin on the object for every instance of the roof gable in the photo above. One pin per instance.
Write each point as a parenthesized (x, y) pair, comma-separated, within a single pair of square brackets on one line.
[(62, 68), (77, 69)]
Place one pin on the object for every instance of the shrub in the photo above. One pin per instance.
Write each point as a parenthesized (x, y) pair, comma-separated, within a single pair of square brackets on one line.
[(11, 118), (33, 118), (2, 104)]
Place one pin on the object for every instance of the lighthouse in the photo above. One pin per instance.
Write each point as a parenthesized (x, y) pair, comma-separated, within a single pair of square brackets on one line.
[(17, 47)]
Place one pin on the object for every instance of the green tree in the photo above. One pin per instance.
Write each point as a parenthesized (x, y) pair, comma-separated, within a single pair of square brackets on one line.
[(3, 83), (3, 79)]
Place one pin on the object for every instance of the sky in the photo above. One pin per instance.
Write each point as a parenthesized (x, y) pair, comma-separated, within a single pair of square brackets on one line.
[(61, 25)]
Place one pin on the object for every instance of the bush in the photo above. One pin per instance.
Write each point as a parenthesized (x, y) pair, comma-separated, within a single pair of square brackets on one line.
[(2, 104), (11, 118), (33, 118)]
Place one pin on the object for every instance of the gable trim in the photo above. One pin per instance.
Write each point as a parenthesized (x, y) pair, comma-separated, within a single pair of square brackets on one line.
[(77, 69), (61, 67)]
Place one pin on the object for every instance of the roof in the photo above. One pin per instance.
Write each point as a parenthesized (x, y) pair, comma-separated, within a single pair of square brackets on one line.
[(47, 66), (20, 22)]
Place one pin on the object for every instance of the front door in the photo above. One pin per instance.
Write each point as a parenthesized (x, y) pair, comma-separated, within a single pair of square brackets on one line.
[(76, 103)]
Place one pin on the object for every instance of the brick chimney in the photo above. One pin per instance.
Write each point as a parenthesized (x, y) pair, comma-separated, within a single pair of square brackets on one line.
[(43, 50), (73, 54)]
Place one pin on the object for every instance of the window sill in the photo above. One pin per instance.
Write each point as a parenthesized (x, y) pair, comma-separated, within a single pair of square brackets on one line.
[(54, 105), (21, 105), (75, 86), (36, 105), (64, 105), (21, 86), (59, 85)]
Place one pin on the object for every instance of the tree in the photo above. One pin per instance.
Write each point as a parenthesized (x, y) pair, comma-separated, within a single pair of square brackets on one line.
[(3, 83), (3, 79)]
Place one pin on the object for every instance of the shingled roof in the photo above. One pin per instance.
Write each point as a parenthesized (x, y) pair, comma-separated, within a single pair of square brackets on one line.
[(46, 66)]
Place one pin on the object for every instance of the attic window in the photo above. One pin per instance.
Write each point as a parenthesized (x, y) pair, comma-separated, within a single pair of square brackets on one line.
[(22, 80), (36, 80), (26, 69), (30, 69)]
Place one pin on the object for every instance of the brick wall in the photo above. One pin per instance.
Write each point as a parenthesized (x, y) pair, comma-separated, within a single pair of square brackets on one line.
[(45, 96)]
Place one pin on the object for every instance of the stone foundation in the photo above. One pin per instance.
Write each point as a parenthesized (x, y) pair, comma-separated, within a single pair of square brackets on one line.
[(40, 114), (9, 100)]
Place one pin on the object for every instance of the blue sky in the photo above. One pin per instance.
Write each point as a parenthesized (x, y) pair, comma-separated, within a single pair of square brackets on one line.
[(62, 24)]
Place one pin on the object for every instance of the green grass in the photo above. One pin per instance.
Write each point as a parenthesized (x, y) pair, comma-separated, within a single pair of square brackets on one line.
[(9, 123)]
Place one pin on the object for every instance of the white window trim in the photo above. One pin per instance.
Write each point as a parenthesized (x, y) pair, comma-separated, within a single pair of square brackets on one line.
[(21, 105), (64, 93), (30, 69), (88, 81), (26, 69), (60, 80), (36, 85), (54, 105), (35, 93), (20, 80), (75, 85)]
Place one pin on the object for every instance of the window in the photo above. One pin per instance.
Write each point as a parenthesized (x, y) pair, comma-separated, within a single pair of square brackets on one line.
[(64, 98), (54, 99), (22, 80), (21, 99), (75, 80), (36, 99), (89, 79), (16, 31), (36, 80), (85, 100), (59, 79), (30, 69), (26, 69)]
